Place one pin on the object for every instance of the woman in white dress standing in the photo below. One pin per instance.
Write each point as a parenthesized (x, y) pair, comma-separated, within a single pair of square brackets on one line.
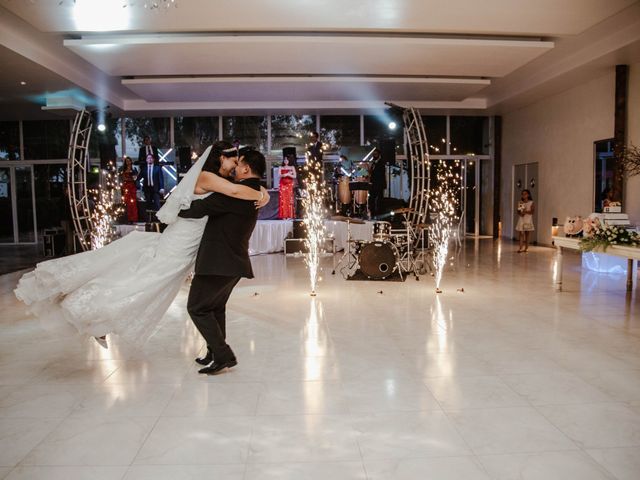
[(94, 294), (525, 226)]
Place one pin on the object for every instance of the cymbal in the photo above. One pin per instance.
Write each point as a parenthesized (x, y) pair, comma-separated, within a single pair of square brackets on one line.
[(342, 218), (404, 210)]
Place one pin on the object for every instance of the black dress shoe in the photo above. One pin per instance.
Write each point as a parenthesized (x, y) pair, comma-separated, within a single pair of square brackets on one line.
[(217, 367), (207, 359)]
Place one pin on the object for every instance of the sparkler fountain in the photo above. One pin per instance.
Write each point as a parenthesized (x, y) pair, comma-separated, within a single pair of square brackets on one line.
[(106, 210), (443, 200), (313, 204)]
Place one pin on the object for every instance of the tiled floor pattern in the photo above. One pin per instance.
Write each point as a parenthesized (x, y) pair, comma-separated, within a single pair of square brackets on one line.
[(370, 380)]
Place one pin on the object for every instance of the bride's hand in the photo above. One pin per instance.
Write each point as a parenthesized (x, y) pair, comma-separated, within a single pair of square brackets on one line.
[(265, 198)]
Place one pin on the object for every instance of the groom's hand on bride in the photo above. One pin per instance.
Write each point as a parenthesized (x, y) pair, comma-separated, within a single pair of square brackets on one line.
[(264, 199)]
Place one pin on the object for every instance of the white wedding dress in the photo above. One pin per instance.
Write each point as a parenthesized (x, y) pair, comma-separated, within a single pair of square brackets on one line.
[(125, 287)]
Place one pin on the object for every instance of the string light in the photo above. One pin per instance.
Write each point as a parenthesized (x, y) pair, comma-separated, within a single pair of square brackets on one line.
[(443, 202), (106, 209), (314, 213)]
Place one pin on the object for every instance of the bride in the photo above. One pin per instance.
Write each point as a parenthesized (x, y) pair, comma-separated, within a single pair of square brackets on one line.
[(126, 287)]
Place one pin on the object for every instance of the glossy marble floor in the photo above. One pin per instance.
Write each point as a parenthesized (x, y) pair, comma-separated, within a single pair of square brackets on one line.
[(370, 380)]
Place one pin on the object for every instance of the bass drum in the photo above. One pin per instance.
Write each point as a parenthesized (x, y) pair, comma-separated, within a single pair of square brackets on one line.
[(378, 260)]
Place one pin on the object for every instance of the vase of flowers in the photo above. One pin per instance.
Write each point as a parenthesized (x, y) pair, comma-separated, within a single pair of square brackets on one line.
[(600, 237)]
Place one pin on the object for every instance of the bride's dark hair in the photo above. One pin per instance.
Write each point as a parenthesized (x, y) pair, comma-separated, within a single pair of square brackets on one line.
[(218, 149)]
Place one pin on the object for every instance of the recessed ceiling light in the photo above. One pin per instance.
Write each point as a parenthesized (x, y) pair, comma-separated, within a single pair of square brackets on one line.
[(23, 83)]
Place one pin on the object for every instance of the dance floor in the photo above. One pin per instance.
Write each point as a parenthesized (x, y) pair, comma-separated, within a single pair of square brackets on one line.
[(506, 380)]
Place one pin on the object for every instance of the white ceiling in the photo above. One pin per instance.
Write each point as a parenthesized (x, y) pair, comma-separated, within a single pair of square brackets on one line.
[(303, 54), (307, 89), (488, 17), (298, 54)]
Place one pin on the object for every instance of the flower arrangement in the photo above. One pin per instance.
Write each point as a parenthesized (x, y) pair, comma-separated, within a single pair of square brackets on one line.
[(599, 236)]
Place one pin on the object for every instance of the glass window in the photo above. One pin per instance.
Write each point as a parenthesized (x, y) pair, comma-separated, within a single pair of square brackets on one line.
[(112, 135), (6, 211), (436, 130), (24, 199), (291, 130), (51, 204), (340, 131), (46, 139), (377, 129), (137, 128), (469, 135), (195, 132), (248, 130), (9, 141)]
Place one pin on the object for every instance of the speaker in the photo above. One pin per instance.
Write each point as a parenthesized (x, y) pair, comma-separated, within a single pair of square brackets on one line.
[(294, 246), (387, 147), (184, 159), (299, 229), (290, 154), (107, 153)]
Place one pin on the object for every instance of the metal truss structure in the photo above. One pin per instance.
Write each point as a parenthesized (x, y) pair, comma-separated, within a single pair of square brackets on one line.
[(77, 169), (418, 166)]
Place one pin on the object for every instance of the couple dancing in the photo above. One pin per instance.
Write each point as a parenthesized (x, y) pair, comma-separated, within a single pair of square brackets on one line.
[(126, 287)]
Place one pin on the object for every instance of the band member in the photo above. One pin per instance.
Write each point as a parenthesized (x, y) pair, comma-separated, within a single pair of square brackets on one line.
[(314, 158), (147, 149), (314, 148), (378, 179)]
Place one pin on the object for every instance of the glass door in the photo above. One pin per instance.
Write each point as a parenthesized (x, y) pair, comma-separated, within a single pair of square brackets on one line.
[(17, 205), (6, 206)]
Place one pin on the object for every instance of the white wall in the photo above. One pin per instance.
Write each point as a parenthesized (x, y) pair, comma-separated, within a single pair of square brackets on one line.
[(558, 132), (632, 190)]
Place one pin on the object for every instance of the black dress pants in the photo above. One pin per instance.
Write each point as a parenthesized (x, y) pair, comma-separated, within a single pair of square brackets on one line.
[(152, 198), (207, 307), (375, 201)]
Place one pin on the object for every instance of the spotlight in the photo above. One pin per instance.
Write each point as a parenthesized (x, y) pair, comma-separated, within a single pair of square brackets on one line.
[(101, 127), (392, 125)]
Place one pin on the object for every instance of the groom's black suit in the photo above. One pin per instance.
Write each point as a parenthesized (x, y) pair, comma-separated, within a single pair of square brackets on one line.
[(223, 258)]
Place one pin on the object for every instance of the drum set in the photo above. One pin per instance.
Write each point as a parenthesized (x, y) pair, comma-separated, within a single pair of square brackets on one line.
[(391, 251)]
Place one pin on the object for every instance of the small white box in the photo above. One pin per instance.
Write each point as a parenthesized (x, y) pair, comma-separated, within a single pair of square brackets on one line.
[(613, 209)]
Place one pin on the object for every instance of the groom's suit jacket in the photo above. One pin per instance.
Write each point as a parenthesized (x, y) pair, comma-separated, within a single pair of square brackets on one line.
[(224, 249)]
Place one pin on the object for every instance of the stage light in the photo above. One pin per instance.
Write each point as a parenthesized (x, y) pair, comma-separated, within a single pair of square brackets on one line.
[(23, 83), (393, 125), (101, 127)]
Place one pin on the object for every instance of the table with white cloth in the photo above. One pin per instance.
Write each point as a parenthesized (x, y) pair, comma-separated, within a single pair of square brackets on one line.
[(269, 235), (630, 253), (339, 231), (125, 229)]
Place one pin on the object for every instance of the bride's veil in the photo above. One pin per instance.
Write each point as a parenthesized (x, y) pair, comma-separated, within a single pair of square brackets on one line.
[(181, 196)]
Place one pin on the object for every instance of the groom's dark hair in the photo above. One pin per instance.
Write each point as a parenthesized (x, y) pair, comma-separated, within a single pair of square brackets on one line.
[(255, 160)]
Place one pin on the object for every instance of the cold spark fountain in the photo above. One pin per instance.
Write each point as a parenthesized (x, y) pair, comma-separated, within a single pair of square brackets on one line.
[(106, 210), (313, 204), (443, 200)]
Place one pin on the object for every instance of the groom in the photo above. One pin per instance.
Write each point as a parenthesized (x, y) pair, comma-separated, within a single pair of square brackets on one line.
[(223, 258)]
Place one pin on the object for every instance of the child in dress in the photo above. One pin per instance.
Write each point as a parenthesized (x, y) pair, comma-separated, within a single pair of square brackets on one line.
[(525, 220)]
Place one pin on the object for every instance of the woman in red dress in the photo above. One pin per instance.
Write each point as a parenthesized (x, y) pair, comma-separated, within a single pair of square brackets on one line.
[(287, 181), (128, 184)]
